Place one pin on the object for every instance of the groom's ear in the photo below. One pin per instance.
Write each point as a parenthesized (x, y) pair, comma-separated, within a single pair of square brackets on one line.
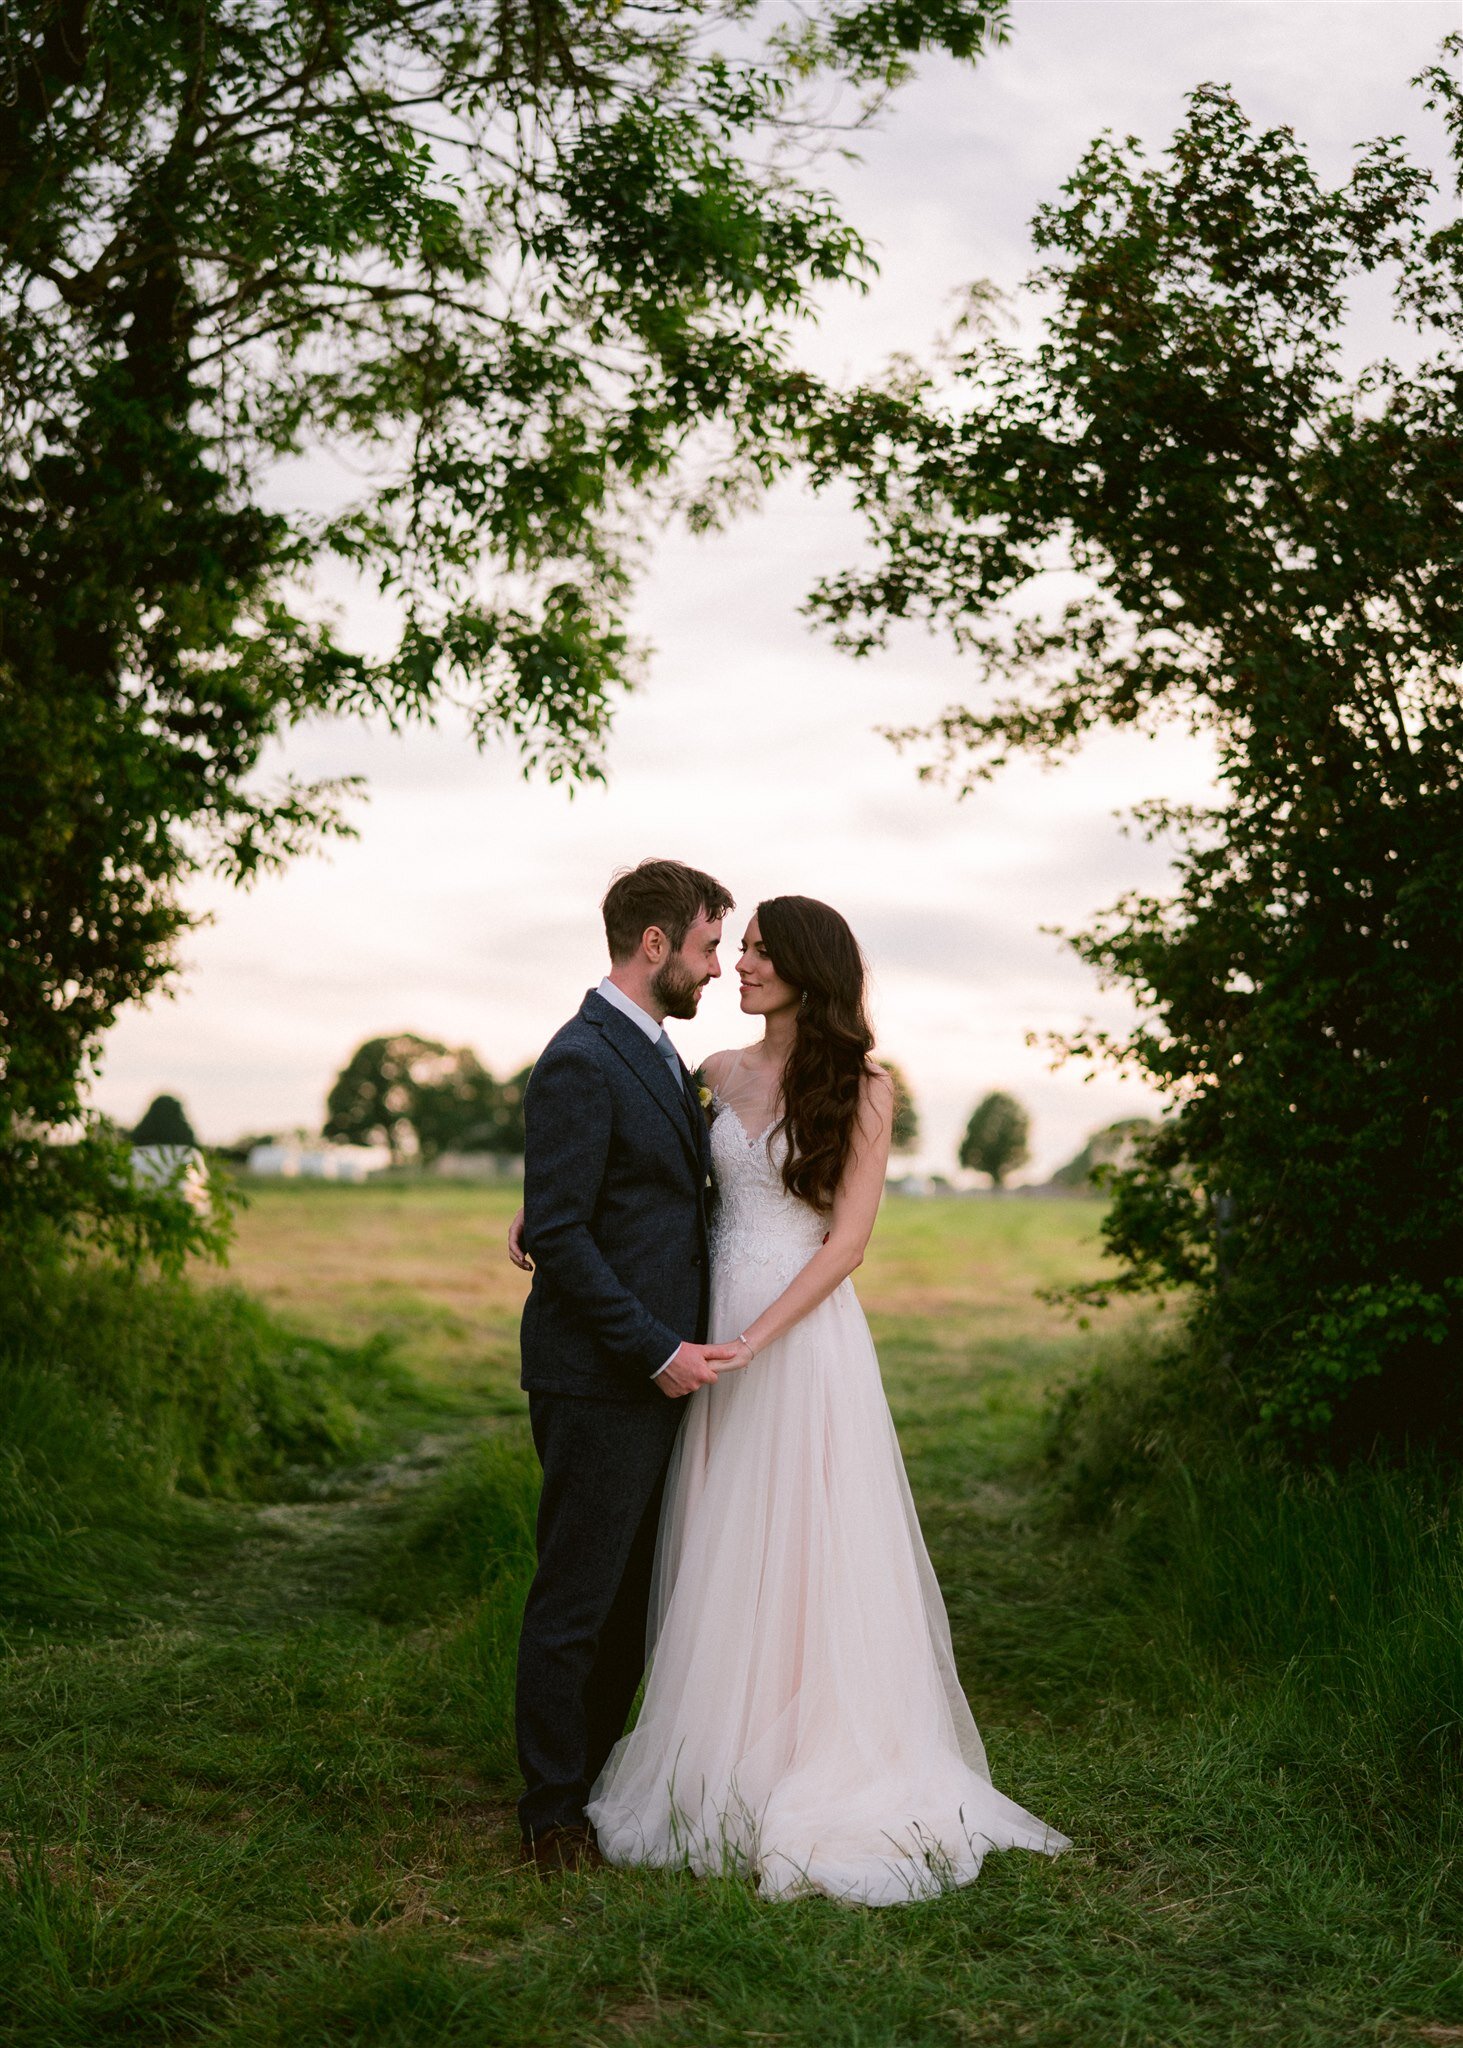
[(654, 944)]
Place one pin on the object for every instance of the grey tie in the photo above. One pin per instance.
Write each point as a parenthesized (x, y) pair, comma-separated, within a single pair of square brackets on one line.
[(672, 1059)]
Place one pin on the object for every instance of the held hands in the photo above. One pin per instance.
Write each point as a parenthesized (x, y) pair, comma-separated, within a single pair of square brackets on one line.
[(696, 1365)]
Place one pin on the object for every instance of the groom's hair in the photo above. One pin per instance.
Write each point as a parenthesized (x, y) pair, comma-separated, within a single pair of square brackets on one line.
[(663, 893)]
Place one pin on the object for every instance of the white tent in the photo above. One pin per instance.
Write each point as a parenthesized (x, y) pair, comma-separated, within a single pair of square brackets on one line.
[(302, 1160)]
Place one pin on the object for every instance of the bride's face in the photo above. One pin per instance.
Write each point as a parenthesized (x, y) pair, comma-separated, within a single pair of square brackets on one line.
[(763, 988)]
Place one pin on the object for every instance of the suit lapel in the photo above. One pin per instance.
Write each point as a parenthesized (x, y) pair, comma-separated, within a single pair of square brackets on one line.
[(636, 1050), (687, 1092), (698, 1117)]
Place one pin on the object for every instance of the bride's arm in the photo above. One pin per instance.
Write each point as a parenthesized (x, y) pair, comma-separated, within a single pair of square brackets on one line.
[(850, 1223)]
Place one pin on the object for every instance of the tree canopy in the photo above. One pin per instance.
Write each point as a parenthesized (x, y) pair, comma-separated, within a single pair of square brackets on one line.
[(421, 1099), (514, 264), (373, 1100), (1176, 508), (995, 1140), (164, 1122)]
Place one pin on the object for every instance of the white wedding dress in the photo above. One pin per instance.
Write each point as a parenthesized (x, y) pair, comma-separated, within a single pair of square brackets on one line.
[(802, 1719)]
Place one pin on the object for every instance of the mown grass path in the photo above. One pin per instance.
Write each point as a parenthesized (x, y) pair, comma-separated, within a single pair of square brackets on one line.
[(275, 1807)]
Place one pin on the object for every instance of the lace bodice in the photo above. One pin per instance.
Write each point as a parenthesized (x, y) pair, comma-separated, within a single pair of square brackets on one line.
[(757, 1222)]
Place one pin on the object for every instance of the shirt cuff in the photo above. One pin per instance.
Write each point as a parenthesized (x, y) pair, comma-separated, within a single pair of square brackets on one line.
[(667, 1366)]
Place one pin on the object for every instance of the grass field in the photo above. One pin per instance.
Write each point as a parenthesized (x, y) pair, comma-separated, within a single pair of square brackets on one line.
[(270, 1801)]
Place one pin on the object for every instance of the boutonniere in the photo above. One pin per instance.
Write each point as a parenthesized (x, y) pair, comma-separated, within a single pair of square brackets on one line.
[(704, 1096)]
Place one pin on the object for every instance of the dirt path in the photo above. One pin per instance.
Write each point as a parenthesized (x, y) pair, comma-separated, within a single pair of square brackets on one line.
[(286, 1563)]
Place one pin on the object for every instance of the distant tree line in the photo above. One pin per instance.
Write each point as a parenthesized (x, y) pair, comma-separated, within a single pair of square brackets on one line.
[(1113, 1148), (996, 1143), (421, 1098)]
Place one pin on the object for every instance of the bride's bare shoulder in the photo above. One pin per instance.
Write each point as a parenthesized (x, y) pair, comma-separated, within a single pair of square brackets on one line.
[(876, 1091), (717, 1065)]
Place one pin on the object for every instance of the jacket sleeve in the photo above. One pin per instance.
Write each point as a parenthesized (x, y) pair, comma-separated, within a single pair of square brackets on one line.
[(567, 1122)]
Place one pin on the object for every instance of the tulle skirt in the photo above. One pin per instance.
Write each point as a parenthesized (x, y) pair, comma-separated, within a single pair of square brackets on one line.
[(802, 1720)]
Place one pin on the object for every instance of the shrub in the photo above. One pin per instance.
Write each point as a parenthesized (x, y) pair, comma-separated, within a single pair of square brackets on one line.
[(1181, 507)]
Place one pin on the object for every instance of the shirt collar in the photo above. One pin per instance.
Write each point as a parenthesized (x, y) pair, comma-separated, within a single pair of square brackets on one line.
[(618, 1000)]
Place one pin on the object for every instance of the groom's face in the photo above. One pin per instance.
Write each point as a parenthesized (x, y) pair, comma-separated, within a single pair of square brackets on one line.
[(683, 974)]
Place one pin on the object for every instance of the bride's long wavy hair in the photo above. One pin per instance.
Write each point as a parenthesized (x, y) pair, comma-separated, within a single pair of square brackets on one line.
[(813, 950)]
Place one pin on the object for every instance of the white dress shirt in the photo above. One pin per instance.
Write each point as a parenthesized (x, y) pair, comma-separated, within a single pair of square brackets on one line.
[(618, 1000)]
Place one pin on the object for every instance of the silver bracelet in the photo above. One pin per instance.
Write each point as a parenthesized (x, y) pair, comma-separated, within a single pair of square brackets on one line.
[(745, 1339)]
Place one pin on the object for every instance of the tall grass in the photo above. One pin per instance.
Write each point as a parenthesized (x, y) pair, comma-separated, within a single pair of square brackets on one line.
[(462, 1554), (1318, 1614), (1331, 1605), (281, 1812), (126, 1397), (1324, 1607)]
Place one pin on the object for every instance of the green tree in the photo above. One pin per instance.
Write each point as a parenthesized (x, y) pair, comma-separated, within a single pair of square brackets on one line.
[(512, 260), (377, 1097), (995, 1140), (465, 1110), (422, 1099), (164, 1122), (1271, 553), (906, 1112), (1115, 1145), (457, 1096)]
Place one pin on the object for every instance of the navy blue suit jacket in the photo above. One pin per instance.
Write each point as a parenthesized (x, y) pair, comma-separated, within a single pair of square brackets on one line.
[(616, 1169)]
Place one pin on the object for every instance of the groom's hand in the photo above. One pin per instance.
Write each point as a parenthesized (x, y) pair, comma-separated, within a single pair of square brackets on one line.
[(693, 1366), (516, 1252)]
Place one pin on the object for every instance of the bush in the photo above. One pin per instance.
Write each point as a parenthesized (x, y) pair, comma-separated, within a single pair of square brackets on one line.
[(1265, 546)]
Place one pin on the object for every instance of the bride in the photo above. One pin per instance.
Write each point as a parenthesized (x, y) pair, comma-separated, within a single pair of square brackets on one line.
[(802, 1719)]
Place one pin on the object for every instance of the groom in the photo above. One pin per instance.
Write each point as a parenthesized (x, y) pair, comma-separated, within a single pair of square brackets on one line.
[(616, 1178)]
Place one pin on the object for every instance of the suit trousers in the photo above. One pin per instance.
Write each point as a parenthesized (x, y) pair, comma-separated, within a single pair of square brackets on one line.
[(581, 1655)]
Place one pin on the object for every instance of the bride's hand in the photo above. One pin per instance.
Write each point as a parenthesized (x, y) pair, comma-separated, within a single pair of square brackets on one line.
[(516, 1252), (736, 1356)]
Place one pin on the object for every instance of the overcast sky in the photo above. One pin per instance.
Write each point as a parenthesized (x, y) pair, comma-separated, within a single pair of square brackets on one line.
[(467, 910)]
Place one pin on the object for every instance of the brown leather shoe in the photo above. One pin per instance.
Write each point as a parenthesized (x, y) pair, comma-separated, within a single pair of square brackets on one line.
[(559, 1849)]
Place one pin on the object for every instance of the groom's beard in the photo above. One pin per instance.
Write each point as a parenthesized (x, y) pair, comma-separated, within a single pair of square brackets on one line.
[(675, 988)]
